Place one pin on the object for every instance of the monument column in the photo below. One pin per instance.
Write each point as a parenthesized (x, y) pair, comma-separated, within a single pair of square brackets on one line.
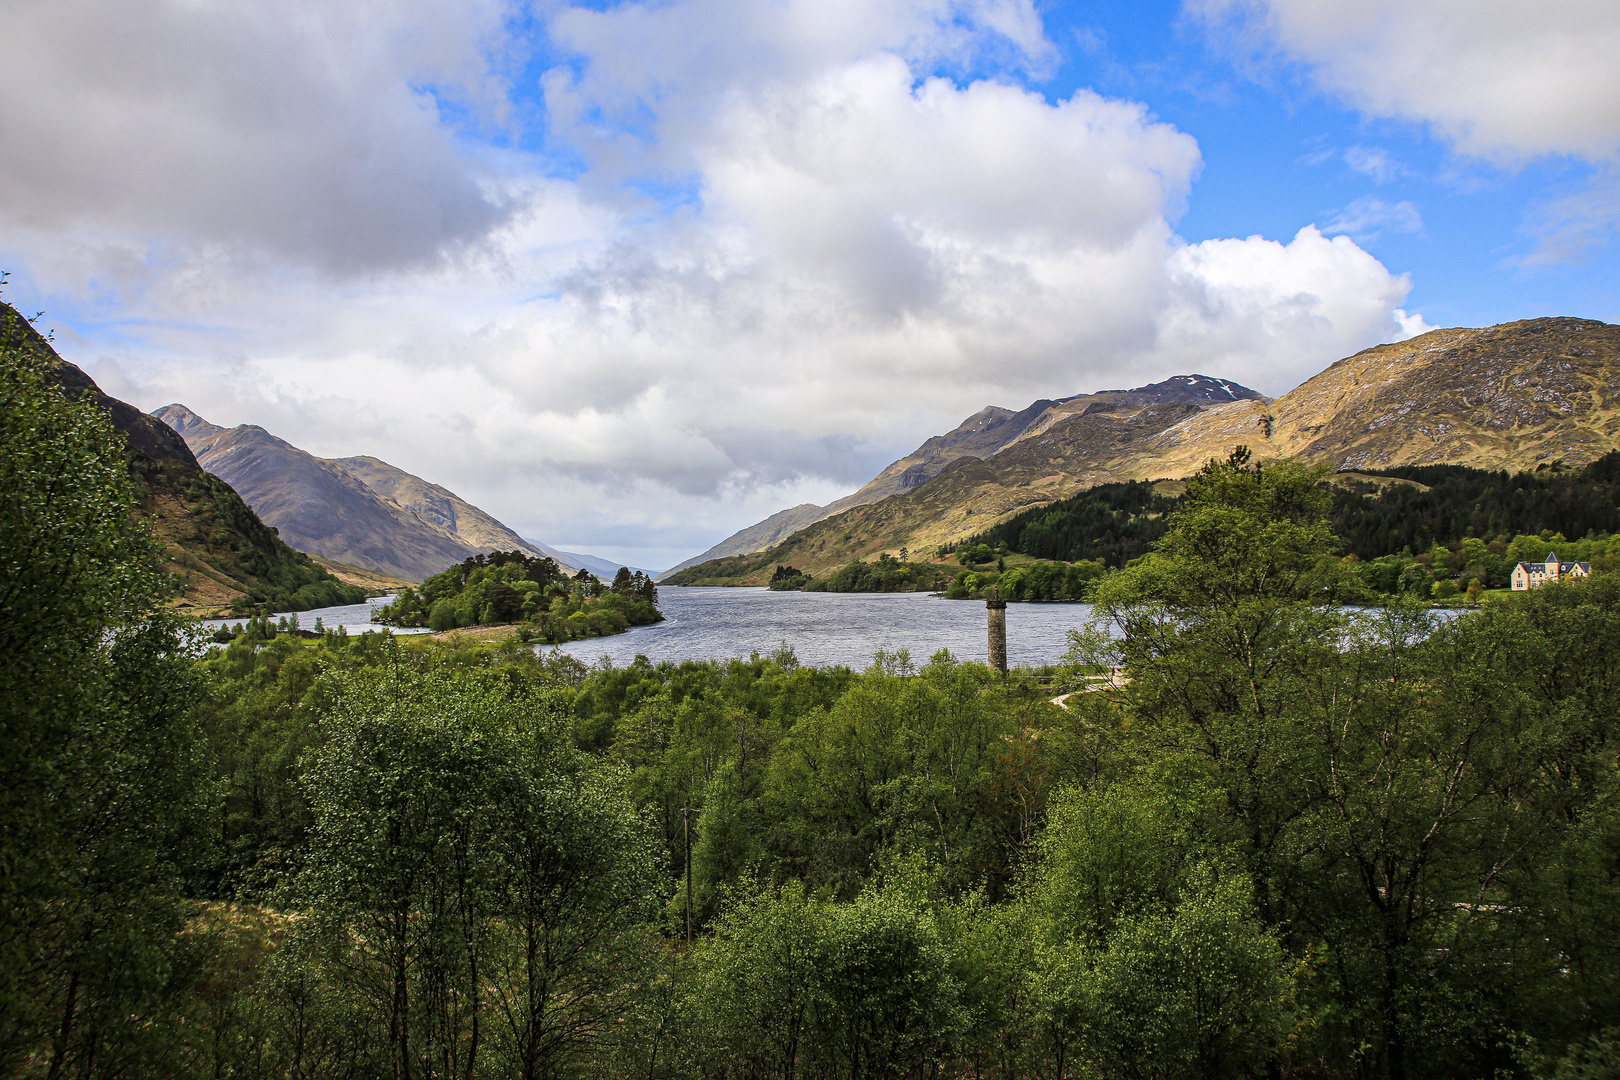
[(997, 611)]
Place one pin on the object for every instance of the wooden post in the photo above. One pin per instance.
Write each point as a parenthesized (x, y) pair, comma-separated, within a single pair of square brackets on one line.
[(997, 610)]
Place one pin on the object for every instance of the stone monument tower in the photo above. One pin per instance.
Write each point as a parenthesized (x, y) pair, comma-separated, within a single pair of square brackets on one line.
[(997, 611)]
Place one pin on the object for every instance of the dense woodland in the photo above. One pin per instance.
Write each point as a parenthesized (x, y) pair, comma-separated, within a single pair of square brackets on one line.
[(1298, 842), (884, 574), (1453, 531), (1444, 505), (1111, 522), (513, 587)]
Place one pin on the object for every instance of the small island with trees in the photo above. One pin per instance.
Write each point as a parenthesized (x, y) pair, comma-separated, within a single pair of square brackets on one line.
[(536, 595)]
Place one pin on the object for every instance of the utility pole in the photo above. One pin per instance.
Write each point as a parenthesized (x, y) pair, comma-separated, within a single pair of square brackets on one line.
[(686, 828)]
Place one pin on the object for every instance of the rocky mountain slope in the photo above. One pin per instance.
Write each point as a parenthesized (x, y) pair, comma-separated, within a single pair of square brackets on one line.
[(987, 432), (357, 510), (215, 549), (1504, 397)]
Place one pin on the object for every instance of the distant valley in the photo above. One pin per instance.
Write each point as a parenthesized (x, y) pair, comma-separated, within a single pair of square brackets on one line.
[(360, 511), (1511, 397)]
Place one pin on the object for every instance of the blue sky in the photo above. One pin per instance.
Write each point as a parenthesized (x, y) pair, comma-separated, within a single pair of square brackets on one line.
[(1280, 152), (634, 275)]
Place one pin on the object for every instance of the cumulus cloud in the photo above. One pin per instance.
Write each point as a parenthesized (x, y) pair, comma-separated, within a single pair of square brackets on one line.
[(1274, 312), (798, 242), (284, 130), (1503, 80), (1507, 79)]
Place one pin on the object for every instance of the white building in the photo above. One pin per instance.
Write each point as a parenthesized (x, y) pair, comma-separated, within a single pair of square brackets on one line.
[(1530, 575)]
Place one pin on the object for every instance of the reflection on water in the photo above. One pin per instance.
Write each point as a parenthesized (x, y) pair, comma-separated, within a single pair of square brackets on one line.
[(823, 628), (832, 628), (355, 618)]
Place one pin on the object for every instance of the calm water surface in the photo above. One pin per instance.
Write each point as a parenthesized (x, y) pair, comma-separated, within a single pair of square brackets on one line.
[(823, 628), (832, 628), (355, 618)]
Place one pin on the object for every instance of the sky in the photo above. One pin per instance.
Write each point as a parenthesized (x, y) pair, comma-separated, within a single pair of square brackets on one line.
[(632, 276)]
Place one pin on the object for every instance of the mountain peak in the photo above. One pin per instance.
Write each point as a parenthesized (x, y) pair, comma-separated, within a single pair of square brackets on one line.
[(1196, 389), (187, 424)]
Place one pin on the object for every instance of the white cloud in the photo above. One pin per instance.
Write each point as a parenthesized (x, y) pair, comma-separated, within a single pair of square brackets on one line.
[(1568, 228), (1504, 79), (1271, 315), (283, 130), (842, 255), (1366, 218), (1374, 162)]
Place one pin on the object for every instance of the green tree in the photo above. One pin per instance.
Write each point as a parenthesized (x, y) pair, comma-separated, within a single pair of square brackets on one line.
[(797, 986), (468, 873), (101, 800)]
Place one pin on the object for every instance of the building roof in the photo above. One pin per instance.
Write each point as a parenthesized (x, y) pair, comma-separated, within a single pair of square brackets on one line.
[(1541, 567)]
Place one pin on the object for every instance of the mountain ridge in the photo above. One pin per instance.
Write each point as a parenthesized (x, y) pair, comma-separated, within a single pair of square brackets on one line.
[(1510, 396), (989, 431), (215, 550), (356, 510)]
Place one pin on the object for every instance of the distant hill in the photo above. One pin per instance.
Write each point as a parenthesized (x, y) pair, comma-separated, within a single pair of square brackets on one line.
[(602, 568), (217, 551), (1509, 397), (357, 510), (760, 537), (987, 432)]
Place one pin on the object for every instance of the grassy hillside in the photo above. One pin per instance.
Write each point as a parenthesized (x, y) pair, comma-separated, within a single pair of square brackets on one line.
[(1517, 396), (1410, 509)]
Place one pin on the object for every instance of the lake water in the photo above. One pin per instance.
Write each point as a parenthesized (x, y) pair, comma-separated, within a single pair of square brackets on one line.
[(823, 628), (832, 628), (355, 618)]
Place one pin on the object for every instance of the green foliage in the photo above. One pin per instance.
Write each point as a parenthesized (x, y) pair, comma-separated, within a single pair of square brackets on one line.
[(1453, 524), (101, 794), (887, 574), (788, 578), (514, 587), (797, 986), (468, 876), (1114, 523), (1292, 840), (1461, 502), (1035, 581)]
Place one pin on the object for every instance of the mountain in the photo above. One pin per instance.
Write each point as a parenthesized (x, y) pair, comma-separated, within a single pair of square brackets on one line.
[(1510, 397), (356, 510), (216, 550), (985, 433), (767, 534), (602, 568)]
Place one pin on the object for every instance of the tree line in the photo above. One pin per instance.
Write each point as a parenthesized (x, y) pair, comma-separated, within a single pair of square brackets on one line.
[(1442, 505), (883, 574)]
